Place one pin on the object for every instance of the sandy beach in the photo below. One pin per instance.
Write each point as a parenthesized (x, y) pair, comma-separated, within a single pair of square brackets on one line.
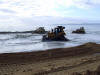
[(61, 61)]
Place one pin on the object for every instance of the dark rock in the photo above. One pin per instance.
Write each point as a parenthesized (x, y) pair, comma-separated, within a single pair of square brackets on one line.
[(40, 30), (81, 30)]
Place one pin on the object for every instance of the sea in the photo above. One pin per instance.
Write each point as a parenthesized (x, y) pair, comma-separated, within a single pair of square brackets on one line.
[(27, 42)]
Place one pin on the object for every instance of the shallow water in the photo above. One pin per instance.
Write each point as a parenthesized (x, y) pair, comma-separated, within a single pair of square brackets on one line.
[(32, 42)]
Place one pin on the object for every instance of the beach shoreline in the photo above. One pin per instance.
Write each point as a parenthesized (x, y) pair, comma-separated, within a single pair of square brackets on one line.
[(51, 62)]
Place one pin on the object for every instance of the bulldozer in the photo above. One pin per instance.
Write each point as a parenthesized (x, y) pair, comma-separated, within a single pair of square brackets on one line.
[(56, 34)]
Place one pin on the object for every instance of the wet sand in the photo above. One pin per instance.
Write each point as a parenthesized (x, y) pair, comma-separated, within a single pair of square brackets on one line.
[(61, 61)]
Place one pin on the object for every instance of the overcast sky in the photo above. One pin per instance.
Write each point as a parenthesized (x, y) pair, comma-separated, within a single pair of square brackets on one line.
[(29, 13)]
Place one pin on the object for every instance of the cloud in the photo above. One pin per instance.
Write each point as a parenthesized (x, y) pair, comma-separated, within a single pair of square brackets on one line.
[(7, 11), (43, 7), (84, 4), (30, 7), (30, 12)]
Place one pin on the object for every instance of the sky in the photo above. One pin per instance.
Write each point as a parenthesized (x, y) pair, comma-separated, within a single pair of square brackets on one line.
[(28, 13)]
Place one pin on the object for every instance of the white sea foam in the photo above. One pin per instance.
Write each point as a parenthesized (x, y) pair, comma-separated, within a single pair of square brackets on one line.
[(32, 42)]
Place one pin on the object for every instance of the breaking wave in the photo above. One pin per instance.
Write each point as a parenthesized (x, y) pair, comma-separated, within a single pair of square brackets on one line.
[(22, 36), (30, 42)]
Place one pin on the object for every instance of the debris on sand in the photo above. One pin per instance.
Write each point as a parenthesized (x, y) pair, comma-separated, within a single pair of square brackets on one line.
[(88, 72)]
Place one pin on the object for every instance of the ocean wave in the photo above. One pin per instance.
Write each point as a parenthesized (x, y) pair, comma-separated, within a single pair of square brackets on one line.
[(22, 36), (27, 42), (10, 37)]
